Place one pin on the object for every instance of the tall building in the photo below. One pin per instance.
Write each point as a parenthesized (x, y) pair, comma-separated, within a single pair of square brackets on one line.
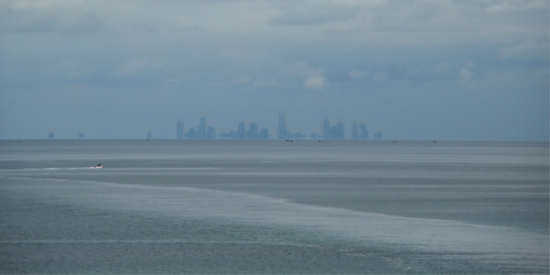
[(241, 131), (201, 130), (252, 132), (337, 131), (180, 133), (210, 133), (51, 135), (326, 129), (363, 133), (191, 133), (264, 134), (281, 130), (354, 131)]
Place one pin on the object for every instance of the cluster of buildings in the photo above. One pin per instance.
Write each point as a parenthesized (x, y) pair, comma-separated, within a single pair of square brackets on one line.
[(358, 131), (336, 131), (203, 132)]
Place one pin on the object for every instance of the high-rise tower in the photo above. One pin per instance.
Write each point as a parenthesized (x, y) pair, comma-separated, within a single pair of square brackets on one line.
[(281, 131), (180, 132), (252, 132), (210, 133), (241, 131), (201, 130), (364, 134), (326, 129), (337, 131), (354, 131)]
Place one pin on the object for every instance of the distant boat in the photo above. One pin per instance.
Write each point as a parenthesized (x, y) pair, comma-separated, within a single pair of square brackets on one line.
[(98, 166)]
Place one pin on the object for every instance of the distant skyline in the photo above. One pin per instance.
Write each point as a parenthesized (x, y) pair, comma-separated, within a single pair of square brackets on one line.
[(418, 70), (203, 130)]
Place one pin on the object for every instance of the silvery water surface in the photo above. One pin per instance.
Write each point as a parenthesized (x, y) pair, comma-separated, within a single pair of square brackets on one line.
[(229, 206)]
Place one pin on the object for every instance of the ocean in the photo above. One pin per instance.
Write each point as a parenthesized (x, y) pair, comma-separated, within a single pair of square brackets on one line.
[(272, 206)]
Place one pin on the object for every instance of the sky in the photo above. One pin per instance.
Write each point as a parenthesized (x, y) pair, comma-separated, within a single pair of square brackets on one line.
[(418, 70)]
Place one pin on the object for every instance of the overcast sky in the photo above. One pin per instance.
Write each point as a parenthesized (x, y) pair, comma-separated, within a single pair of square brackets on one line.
[(445, 70)]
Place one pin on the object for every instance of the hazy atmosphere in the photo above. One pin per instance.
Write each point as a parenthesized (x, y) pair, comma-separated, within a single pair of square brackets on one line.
[(449, 70)]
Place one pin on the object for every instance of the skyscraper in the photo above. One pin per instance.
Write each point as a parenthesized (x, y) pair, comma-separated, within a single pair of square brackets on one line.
[(201, 130), (252, 132), (191, 134), (281, 130), (263, 134), (241, 131), (354, 131), (363, 133), (180, 130), (326, 129), (337, 131), (210, 133)]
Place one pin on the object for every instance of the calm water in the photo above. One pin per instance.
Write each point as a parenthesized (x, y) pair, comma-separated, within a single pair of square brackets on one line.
[(273, 207)]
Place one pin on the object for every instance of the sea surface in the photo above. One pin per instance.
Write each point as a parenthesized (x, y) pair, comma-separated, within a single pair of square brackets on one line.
[(270, 206)]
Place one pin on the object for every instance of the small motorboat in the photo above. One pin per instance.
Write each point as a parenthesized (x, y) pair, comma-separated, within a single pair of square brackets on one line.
[(98, 166)]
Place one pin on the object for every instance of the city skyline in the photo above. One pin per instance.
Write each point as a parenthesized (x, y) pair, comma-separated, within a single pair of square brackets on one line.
[(205, 131), (337, 131)]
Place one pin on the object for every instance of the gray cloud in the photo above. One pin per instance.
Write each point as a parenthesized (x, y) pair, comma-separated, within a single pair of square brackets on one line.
[(45, 20), (312, 15), (525, 50), (397, 71)]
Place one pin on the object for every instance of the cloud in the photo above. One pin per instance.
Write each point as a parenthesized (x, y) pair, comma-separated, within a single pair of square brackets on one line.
[(366, 75), (44, 20), (171, 82), (380, 76), (313, 14), (514, 6), (356, 74), (243, 80), (264, 83), (82, 25), (526, 50), (465, 77), (302, 69), (68, 69), (315, 82), (137, 67), (441, 69), (28, 24), (248, 82), (144, 28), (542, 72), (397, 71), (29, 4)]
